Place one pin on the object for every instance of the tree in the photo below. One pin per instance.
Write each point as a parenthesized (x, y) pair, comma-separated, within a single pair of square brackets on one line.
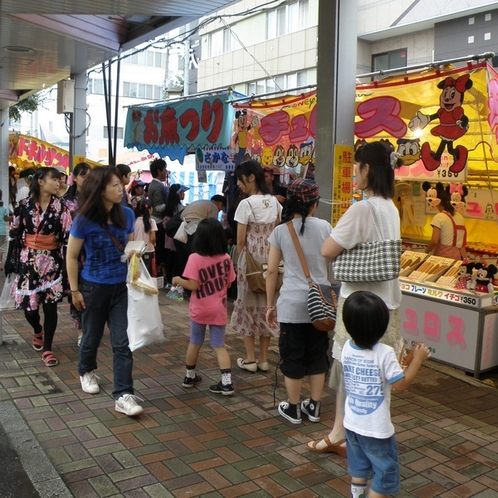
[(29, 104)]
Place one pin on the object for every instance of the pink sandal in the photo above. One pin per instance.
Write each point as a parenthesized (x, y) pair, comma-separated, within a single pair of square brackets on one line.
[(49, 359), (37, 341)]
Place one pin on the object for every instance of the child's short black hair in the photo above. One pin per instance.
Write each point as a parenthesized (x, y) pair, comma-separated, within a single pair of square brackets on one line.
[(210, 238), (366, 318)]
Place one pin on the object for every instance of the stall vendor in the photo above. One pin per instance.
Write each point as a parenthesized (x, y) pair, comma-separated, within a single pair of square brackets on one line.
[(449, 235)]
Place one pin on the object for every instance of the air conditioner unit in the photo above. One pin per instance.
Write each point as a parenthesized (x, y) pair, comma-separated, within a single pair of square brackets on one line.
[(65, 96)]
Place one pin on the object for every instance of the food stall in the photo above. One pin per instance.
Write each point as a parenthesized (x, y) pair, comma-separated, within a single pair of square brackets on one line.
[(31, 152), (444, 124)]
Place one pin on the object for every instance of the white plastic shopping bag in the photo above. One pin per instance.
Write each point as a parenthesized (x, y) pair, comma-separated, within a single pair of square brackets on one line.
[(145, 326), (7, 300)]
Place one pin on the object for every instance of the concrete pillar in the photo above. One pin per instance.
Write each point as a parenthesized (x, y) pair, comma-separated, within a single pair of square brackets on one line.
[(336, 77), (77, 140)]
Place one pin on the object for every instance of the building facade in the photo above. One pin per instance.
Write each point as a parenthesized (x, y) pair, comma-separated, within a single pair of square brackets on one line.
[(257, 47)]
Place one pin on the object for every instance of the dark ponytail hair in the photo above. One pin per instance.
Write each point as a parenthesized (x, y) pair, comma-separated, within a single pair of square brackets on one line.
[(295, 205), (80, 169), (446, 204), (41, 174), (382, 159), (252, 167), (143, 210)]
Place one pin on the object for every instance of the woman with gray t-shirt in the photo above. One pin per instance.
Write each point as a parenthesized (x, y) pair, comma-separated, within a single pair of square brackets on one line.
[(303, 348)]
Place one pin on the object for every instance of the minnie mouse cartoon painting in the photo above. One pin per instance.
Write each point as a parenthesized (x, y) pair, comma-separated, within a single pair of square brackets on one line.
[(458, 192), (453, 124)]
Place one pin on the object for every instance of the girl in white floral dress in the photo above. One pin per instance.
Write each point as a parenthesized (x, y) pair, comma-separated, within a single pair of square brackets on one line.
[(256, 217)]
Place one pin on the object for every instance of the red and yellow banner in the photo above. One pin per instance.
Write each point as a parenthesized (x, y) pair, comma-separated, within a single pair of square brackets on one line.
[(444, 124), (278, 132), (436, 120), (31, 152)]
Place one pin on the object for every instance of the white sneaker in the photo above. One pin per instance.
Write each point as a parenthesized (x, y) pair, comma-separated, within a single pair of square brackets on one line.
[(90, 383), (127, 404)]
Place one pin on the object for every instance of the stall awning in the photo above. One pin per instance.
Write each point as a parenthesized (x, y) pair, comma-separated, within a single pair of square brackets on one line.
[(170, 128), (30, 152), (442, 122)]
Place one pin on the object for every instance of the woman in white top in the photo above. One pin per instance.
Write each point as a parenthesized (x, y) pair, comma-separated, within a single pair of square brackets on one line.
[(449, 235), (256, 217), (374, 168)]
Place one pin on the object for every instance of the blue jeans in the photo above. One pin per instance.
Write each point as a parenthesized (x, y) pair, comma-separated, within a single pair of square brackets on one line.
[(371, 457), (106, 304)]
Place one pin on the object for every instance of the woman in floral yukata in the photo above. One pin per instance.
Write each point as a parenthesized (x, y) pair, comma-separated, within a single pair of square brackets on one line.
[(44, 222), (71, 199)]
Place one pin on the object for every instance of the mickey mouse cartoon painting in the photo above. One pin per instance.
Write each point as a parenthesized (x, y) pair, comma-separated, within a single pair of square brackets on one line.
[(453, 124), (431, 192), (241, 128)]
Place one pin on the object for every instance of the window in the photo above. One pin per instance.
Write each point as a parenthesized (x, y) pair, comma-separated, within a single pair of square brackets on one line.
[(389, 60), (487, 17), (287, 19), (106, 132), (150, 58), (470, 39), (142, 91), (284, 82), (487, 36), (472, 20), (95, 86), (220, 42)]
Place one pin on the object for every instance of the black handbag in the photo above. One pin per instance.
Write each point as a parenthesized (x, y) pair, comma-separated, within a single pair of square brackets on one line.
[(322, 299), (13, 258)]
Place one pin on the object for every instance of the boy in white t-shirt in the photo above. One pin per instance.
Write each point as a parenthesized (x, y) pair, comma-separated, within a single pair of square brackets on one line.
[(371, 370)]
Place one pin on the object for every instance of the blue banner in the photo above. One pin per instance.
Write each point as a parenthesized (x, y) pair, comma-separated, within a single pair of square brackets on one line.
[(171, 128), (214, 158)]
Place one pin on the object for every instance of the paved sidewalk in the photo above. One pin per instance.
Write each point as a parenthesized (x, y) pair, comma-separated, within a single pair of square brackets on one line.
[(195, 443)]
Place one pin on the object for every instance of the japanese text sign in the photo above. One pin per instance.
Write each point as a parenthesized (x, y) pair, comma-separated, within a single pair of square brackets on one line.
[(171, 128), (278, 132)]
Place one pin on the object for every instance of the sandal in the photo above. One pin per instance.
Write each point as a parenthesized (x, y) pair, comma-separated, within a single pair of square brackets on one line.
[(37, 341), (338, 447), (250, 366), (49, 359)]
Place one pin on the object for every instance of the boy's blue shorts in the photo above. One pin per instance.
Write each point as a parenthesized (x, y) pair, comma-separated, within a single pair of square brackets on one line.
[(375, 459)]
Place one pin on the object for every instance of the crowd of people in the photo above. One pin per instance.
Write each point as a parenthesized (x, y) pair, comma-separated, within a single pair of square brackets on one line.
[(69, 241)]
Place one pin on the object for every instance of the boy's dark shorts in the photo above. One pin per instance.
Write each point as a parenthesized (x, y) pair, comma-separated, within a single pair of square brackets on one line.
[(303, 350)]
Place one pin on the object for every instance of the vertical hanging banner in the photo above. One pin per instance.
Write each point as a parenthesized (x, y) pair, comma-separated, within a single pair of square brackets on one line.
[(278, 132), (343, 181), (436, 120)]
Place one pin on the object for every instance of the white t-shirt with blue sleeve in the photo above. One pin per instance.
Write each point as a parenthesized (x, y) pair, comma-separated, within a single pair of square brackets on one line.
[(368, 377), (103, 263)]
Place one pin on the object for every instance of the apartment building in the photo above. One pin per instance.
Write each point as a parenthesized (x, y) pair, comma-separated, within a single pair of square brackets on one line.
[(258, 47)]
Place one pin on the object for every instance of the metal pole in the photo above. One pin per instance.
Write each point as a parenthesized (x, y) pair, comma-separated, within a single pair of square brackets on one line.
[(107, 99), (116, 110), (435, 64)]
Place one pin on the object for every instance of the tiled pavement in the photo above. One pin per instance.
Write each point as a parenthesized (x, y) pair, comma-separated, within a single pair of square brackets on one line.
[(195, 443)]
